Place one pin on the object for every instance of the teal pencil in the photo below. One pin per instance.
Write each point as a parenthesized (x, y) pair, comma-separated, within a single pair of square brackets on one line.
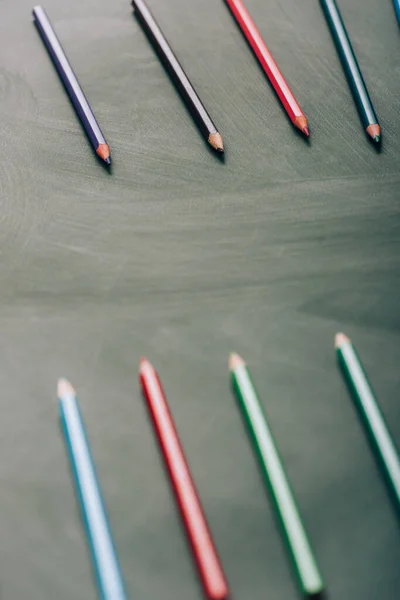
[(397, 9), (104, 556), (309, 577)]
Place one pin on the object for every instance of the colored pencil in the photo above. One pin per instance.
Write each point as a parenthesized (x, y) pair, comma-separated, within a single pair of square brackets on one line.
[(104, 556), (351, 69), (269, 65), (198, 532), (71, 84), (305, 564), (397, 9), (178, 75), (370, 413)]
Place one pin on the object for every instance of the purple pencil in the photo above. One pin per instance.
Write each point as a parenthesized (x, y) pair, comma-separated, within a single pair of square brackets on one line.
[(71, 84)]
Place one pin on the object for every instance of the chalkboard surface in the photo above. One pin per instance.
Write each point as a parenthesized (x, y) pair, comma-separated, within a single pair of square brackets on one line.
[(183, 258)]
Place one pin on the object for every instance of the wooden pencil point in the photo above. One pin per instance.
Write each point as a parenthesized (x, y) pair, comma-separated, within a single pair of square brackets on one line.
[(340, 339), (103, 151), (374, 131), (215, 140), (302, 124), (64, 388), (144, 364), (235, 361)]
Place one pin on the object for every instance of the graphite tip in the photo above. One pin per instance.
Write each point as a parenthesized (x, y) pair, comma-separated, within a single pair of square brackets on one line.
[(374, 131), (215, 141)]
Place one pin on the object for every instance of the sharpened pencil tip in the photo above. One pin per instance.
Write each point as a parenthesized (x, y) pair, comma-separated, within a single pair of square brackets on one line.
[(374, 131), (302, 124), (235, 361), (103, 151), (64, 388), (144, 363), (340, 339), (215, 141)]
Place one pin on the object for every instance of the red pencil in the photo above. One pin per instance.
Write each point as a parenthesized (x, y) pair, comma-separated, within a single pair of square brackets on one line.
[(208, 563), (269, 65)]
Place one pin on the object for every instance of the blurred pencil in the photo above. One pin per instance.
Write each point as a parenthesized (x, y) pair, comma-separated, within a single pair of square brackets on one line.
[(204, 551), (269, 65), (309, 577), (178, 75), (71, 84), (104, 555), (371, 415), (397, 9), (351, 69)]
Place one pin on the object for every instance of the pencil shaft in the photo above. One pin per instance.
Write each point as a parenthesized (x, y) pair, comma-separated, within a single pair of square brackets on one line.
[(174, 69), (68, 77), (266, 59), (210, 569), (372, 417), (397, 9), (103, 551), (271, 464), (349, 62)]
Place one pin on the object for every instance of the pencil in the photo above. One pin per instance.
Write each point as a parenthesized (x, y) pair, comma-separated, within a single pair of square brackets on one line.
[(397, 9), (71, 84), (198, 532), (370, 413), (305, 564), (269, 65), (104, 556), (178, 75), (351, 69)]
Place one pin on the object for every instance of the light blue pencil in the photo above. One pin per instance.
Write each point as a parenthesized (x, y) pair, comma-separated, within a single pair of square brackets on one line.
[(104, 556), (397, 9)]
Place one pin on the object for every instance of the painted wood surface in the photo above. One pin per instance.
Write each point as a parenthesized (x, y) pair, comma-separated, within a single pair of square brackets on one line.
[(183, 258)]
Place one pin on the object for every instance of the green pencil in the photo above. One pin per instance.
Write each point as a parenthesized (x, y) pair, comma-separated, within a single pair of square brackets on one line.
[(309, 577), (372, 417)]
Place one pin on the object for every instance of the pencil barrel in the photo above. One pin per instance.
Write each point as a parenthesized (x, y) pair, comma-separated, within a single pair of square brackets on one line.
[(349, 62), (397, 9), (193, 516), (102, 547), (68, 77), (308, 575), (266, 60), (372, 418), (174, 69)]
